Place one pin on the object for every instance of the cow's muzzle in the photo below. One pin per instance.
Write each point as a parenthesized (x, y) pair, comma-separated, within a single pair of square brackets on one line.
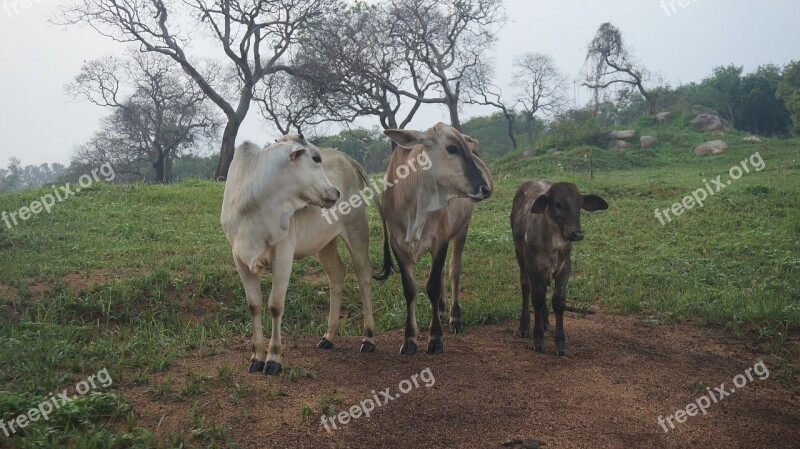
[(484, 191), (330, 199), (576, 236)]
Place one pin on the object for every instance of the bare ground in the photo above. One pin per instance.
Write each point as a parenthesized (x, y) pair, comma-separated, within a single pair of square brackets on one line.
[(491, 387)]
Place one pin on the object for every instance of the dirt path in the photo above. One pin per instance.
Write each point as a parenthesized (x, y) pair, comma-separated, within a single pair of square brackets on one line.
[(490, 387)]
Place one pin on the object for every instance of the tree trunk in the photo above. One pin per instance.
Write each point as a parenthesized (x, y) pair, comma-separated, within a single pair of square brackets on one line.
[(454, 120), (510, 122), (158, 166), (228, 147)]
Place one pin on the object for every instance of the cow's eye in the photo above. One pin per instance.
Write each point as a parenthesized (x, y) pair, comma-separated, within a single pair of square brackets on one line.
[(317, 159), (558, 204), (452, 149)]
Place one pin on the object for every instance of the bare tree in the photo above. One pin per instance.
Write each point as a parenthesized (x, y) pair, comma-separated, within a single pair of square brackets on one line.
[(540, 87), (289, 102), (449, 39), (485, 93), (157, 109), (609, 62), (256, 36), (358, 68)]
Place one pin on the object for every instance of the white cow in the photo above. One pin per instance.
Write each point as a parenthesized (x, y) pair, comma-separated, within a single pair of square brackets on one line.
[(272, 215)]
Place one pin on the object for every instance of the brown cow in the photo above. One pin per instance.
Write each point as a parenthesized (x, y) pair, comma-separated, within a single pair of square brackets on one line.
[(429, 209), (545, 221)]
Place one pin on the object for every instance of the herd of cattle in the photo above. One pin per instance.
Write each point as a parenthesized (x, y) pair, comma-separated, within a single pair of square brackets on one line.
[(272, 214)]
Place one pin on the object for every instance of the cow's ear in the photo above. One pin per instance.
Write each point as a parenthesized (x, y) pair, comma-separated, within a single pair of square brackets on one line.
[(540, 204), (296, 154), (472, 143), (406, 138), (592, 203)]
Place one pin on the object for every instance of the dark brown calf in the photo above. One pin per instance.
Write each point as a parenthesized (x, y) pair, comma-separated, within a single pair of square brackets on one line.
[(545, 220)]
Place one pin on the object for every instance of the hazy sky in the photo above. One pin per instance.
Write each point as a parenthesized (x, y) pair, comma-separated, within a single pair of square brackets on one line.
[(39, 123)]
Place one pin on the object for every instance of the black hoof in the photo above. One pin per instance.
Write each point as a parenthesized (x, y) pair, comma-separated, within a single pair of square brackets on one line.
[(256, 366), (538, 347), (408, 348), (272, 368), (367, 347), (324, 344), (524, 334), (435, 347), (455, 327), (561, 352)]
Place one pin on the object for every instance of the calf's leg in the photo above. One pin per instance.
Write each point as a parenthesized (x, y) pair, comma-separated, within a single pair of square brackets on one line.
[(525, 284), (434, 291), (406, 269), (559, 304), (335, 270), (359, 252), (281, 273), (539, 297), (455, 278), (252, 290)]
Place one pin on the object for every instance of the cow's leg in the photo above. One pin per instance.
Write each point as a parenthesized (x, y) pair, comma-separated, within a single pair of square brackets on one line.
[(358, 245), (539, 299), (406, 269), (434, 291), (281, 273), (559, 304), (334, 268), (525, 284), (252, 290), (455, 278)]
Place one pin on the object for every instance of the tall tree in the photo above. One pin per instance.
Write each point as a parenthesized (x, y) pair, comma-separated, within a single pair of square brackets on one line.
[(449, 39), (157, 109), (609, 62), (539, 87), (256, 36), (485, 93), (789, 92)]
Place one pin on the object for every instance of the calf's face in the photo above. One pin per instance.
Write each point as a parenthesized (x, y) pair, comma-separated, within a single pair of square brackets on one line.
[(308, 178), (452, 161), (562, 204)]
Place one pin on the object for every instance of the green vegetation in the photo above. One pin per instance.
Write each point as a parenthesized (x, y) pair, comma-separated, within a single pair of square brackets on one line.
[(110, 278)]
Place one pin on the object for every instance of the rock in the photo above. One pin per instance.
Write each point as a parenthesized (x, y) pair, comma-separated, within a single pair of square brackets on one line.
[(525, 154), (618, 145), (619, 135), (199, 311), (531, 444), (752, 139), (710, 122), (713, 147), (662, 117), (647, 141), (511, 442)]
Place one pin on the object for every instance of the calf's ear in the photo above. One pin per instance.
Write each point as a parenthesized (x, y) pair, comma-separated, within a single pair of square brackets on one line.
[(540, 204), (296, 154), (592, 203), (406, 138)]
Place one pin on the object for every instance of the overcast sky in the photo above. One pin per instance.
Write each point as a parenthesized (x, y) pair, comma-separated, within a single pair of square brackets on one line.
[(39, 123)]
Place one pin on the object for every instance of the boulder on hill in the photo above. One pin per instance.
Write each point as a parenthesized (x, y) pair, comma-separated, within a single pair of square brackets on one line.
[(621, 135), (662, 117), (618, 145), (647, 141), (713, 147), (710, 122)]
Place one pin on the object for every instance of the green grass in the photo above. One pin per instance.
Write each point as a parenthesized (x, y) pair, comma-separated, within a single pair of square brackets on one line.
[(159, 251)]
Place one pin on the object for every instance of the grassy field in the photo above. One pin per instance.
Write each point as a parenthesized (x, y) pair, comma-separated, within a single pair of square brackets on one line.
[(129, 278)]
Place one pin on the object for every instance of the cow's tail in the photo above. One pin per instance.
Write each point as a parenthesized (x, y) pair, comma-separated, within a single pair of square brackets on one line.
[(388, 263)]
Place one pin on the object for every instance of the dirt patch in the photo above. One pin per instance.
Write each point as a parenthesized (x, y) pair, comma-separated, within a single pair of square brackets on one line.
[(490, 387), (86, 281)]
